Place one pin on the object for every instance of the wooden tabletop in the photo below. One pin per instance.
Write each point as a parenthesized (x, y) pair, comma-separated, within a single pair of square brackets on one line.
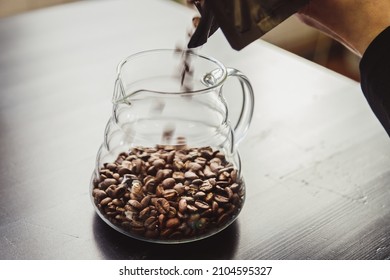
[(316, 161)]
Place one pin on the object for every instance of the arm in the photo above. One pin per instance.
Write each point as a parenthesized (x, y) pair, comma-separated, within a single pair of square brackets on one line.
[(363, 27), (354, 23)]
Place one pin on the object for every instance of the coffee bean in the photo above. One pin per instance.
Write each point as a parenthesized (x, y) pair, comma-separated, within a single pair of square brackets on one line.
[(197, 182), (172, 212), (119, 191), (145, 201), (192, 208), (165, 233), (106, 183), (223, 219), (200, 195), (209, 197), (151, 223), (136, 224), (138, 163), (105, 201), (127, 163), (206, 186), (135, 204), (233, 175), (169, 192), (163, 174), (193, 166), (99, 195), (168, 183), (221, 199), (229, 192), (201, 204), (179, 188), (172, 223), (190, 175), (110, 191), (162, 205), (123, 171), (159, 163), (182, 205), (145, 213), (117, 202)]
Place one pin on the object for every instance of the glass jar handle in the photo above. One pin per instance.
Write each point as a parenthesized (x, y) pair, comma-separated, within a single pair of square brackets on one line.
[(248, 101)]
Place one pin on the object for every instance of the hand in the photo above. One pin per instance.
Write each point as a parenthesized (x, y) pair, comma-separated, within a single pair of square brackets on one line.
[(354, 23)]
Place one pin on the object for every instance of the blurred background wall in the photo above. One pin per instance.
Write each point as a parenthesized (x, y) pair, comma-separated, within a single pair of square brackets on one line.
[(291, 35)]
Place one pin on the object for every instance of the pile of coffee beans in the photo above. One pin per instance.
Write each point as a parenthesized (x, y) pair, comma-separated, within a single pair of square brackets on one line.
[(169, 192)]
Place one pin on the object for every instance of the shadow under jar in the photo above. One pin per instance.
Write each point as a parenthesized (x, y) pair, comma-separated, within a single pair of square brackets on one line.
[(168, 170)]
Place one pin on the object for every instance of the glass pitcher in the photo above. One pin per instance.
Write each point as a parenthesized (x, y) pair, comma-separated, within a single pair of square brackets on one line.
[(168, 170)]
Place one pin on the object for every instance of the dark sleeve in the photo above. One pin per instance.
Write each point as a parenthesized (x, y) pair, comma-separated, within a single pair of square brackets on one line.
[(375, 77)]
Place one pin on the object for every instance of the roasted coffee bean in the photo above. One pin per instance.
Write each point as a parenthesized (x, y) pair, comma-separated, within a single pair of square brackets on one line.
[(188, 199), (165, 233), (159, 190), (199, 194), (110, 191), (197, 182), (163, 174), (221, 199), (172, 212), (172, 223), (150, 185), (127, 163), (236, 199), (182, 205), (123, 171), (99, 195), (179, 188), (223, 219), (105, 201), (118, 202), (138, 163), (176, 235), (162, 205), (206, 186), (159, 163), (234, 187), (192, 208), (208, 173), (135, 204), (178, 165), (151, 222), (178, 176), (209, 197), (161, 219), (229, 192), (190, 175), (214, 167), (106, 183), (233, 175), (144, 214), (145, 201), (169, 192), (201, 204), (136, 224), (193, 166), (168, 183), (119, 191)]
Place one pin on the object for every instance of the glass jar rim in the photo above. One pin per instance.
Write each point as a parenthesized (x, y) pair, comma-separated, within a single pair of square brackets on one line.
[(220, 66)]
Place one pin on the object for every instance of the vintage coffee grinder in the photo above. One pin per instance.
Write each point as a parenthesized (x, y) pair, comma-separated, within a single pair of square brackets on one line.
[(241, 21)]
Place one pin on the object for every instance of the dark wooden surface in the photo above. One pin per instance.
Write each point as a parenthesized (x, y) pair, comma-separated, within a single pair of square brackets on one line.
[(316, 161)]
